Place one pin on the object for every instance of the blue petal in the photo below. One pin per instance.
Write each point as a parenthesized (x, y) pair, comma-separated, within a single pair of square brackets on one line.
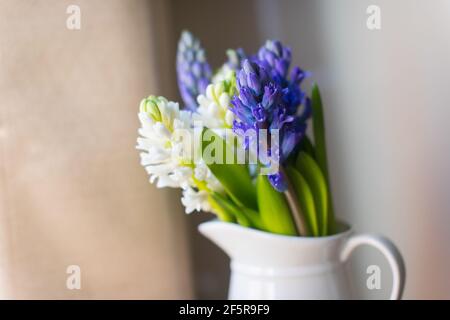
[(278, 181)]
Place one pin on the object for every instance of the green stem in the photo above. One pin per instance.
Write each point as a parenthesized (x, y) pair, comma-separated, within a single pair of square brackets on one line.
[(296, 212)]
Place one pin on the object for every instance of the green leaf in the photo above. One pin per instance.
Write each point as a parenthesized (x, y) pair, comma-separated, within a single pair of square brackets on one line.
[(304, 145), (221, 211), (273, 208), (305, 199), (244, 216), (234, 177), (227, 207), (321, 148), (316, 181), (307, 146), (319, 130)]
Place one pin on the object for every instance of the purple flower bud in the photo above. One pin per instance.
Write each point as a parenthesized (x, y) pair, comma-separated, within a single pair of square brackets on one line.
[(242, 79), (281, 67), (289, 142), (267, 98), (286, 53), (202, 85), (278, 181), (236, 58), (293, 134), (197, 69), (249, 67), (246, 97), (276, 57), (187, 96), (193, 71), (189, 56), (280, 118), (259, 113), (188, 79), (292, 97), (267, 57), (264, 76), (271, 95), (237, 103), (298, 75), (240, 128), (277, 47), (241, 111), (254, 83), (307, 110), (238, 125)]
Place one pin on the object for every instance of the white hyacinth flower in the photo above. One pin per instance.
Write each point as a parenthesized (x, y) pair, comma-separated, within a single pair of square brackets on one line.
[(194, 200), (168, 158), (214, 106), (161, 145), (202, 173), (223, 74), (228, 69)]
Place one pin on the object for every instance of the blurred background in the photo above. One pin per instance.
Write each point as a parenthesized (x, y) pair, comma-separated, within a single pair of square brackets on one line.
[(72, 191)]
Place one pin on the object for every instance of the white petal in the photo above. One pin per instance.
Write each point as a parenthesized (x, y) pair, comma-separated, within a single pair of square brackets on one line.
[(229, 117), (210, 92), (218, 89), (160, 169), (166, 181), (224, 100), (202, 100), (161, 130), (195, 200)]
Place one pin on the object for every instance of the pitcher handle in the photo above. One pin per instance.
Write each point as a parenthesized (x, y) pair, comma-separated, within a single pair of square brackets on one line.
[(389, 250)]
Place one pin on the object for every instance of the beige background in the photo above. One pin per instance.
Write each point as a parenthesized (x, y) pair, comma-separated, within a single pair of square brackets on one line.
[(71, 187)]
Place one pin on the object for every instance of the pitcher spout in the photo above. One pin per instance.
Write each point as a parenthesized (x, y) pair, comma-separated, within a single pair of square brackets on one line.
[(227, 236)]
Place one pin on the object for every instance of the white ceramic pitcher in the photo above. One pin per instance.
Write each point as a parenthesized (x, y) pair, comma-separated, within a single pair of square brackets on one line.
[(270, 266)]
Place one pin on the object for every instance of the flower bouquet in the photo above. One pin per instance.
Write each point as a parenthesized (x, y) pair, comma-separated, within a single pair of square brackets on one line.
[(238, 147)]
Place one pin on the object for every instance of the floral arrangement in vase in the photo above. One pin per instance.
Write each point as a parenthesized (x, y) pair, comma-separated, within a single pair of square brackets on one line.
[(237, 145)]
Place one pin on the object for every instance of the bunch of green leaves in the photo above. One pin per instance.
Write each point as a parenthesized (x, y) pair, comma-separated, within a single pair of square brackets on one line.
[(250, 202), (308, 173)]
